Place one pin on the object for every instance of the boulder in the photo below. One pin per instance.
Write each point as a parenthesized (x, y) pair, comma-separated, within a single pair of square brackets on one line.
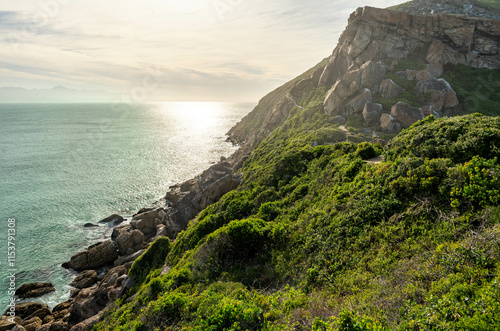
[(112, 275), (406, 114), (55, 326), (6, 323), (88, 303), (90, 225), (40, 313), (372, 113), (62, 306), (24, 310), (32, 324), (20, 328), (356, 104), (48, 319), (389, 89), (435, 52), (389, 124), (85, 279), (441, 93), (94, 257), (129, 258), (87, 324), (119, 230), (34, 290), (113, 218), (129, 242)]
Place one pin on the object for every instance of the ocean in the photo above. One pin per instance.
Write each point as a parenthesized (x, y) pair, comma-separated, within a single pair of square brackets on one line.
[(63, 165)]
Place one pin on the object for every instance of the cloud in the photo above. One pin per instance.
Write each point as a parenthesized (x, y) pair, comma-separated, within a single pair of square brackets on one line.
[(252, 47)]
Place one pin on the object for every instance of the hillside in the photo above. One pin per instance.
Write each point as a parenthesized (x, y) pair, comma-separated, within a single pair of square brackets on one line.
[(364, 197), (318, 236)]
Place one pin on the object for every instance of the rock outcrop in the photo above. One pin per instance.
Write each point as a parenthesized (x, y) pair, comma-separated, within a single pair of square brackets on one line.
[(94, 257), (34, 290)]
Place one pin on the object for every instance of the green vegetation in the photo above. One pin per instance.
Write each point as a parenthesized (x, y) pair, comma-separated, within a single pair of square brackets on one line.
[(316, 238), (477, 89), (492, 5)]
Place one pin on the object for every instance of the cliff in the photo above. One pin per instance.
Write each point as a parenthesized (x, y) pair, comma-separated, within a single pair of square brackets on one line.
[(350, 204)]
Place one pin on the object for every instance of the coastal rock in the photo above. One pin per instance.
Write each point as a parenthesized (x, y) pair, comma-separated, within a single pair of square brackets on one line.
[(90, 225), (94, 257), (129, 242), (40, 313), (146, 222), (112, 275), (32, 324), (406, 114), (113, 218), (87, 324), (129, 258), (389, 124), (85, 279), (54, 326), (372, 113), (19, 328), (119, 230), (6, 324), (62, 306), (389, 89), (441, 93), (24, 310), (88, 303), (34, 290)]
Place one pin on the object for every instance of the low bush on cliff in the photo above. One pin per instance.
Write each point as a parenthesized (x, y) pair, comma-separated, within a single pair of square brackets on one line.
[(316, 238)]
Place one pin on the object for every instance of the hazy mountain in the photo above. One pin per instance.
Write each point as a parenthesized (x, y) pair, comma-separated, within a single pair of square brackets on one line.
[(55, 94)]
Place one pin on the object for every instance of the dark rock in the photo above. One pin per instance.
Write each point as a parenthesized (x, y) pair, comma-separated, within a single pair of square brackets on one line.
[(90, 225), (87, 324), (32, 324), (112, 218), (40, 313), (55, 326), (129, 258), (34, 290), (94, 257), (23, 310), (6, 324), (62, 306)]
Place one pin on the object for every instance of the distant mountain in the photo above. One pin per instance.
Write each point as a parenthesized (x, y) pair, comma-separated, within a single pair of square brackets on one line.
[(55, 94)]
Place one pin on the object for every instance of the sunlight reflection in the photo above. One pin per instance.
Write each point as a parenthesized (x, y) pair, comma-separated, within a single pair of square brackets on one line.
[(195, 116)]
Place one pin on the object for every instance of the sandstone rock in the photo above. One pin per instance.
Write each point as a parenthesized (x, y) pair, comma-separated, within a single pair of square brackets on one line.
[(48, 319), (34, 290), (32, 324), (94, 257), (132, 257), (6, 324), (62, 306), (389, 124), (40, 313), (389, 89), (112, 275), (18, 328), (119, 230), (356, 104), (87, 324), (88, 303), (55, 326), (85, 279), (23, 310), (129, 241), (372, 113), (406, 114)]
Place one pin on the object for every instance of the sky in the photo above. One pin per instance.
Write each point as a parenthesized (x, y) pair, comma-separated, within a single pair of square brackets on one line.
[(166, 50)]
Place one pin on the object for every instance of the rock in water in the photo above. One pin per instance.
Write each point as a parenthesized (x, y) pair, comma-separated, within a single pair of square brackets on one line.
[(94, 257), (34, 290)]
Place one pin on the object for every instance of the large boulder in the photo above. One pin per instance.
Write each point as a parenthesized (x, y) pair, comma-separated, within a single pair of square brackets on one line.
[(88, 303), (441, 93), (94, 257), (146, 222), (128, 258), (24, 310), (32, 324), (40, 313), (85, 279), (129, 242), (113, 219), (389, 89), (34, 290), (372, 113), (389, 124), (6, 323), (357, 104), (407, 114)]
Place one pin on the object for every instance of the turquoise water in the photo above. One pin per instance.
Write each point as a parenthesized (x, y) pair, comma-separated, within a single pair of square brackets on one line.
[(63, 165)]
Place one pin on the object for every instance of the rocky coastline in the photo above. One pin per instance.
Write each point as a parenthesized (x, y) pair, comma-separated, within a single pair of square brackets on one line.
[(102, 268)]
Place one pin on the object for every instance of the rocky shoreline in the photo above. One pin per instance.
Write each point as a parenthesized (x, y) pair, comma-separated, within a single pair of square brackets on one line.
[(103, 267)]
